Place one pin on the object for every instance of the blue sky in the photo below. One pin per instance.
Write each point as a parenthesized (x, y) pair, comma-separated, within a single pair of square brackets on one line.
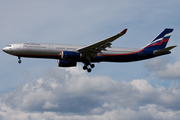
[(146, 89)]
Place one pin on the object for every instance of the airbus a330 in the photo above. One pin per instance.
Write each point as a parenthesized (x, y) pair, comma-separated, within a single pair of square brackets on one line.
[(69, 55)]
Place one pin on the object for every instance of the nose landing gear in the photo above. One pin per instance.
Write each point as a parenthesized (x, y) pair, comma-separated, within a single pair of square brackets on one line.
[(19, 61)]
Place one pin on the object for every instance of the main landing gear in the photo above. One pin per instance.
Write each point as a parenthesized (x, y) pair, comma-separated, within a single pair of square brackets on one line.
[(85, 67), (19, 61), (87, 63)]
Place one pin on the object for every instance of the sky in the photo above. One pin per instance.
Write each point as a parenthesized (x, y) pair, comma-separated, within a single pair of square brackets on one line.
[(37, 89)]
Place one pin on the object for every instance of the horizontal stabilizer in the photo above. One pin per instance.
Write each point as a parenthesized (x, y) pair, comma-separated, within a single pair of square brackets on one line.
[(158, 52)]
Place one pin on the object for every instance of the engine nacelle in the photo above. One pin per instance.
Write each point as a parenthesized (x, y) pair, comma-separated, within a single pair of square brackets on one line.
[(65, 63), (70, 55)]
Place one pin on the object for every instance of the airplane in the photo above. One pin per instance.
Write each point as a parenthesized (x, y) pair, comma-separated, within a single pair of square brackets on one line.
[(69, 55)]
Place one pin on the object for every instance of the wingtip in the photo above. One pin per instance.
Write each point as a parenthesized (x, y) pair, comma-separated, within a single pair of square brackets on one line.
[(124, 31), (174, 46)]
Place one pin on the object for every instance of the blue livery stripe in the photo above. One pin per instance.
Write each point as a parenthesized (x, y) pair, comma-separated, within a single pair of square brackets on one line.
[(163, 33)]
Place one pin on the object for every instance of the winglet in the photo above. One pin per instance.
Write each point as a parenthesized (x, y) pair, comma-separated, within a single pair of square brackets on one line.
[(124, 31)]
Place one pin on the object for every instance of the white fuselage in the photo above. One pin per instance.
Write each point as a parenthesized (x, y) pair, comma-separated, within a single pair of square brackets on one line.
[(53, 51)]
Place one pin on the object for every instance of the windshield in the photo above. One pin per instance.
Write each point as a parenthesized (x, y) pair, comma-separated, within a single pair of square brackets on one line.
[(8, 45)]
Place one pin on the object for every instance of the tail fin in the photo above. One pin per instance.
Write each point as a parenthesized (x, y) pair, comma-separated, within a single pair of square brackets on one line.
[(160, 41)]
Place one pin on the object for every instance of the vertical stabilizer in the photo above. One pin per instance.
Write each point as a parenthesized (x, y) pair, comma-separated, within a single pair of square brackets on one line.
[(160, 41)]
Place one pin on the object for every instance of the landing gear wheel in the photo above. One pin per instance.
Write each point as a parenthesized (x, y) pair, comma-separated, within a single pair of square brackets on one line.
[(19, 61), (89, 70), (85, 67), (92, 65)]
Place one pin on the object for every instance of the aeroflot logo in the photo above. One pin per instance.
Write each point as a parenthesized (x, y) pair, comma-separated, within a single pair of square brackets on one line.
[(31, 44)]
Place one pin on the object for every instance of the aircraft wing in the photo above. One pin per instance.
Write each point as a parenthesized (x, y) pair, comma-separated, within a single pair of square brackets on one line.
[(96, 48)]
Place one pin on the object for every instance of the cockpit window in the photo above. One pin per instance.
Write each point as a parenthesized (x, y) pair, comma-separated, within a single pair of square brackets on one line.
[(8, 45)]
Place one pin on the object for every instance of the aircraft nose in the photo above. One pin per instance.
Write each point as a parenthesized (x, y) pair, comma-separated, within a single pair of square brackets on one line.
[(5, 49)]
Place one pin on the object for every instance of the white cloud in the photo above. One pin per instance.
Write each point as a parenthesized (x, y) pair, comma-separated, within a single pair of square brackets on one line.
[(82, 97), (171, 71), (156, 64), (142, 85), (163, 69)]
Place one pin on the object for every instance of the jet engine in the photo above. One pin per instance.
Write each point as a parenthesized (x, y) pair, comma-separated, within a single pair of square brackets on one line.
[(65, 63), (70, 55)]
